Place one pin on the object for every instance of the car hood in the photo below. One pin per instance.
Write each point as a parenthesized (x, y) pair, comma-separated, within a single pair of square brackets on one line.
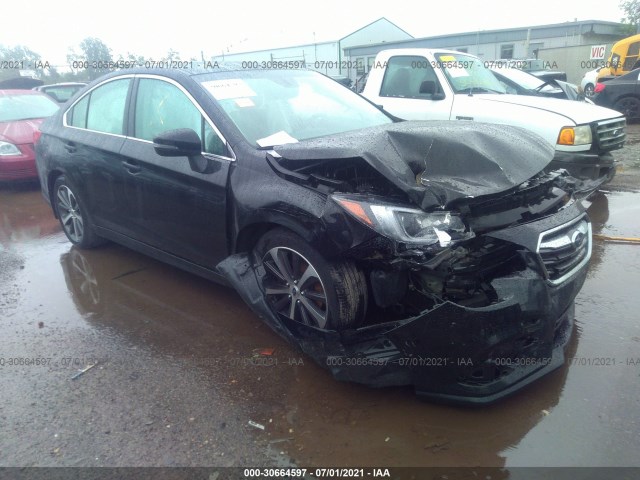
[(19, 132), (576, 112), (436, 163)]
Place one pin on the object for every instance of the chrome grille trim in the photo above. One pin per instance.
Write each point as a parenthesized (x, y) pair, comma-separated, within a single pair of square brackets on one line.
[(558, 252), (611, 133)]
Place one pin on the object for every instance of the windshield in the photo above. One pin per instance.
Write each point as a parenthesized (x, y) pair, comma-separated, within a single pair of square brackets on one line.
[(467, 74), (276, 107), (25, 106)]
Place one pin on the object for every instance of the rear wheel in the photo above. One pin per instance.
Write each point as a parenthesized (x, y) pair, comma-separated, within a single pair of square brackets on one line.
[(628, 106), (301, 285), (588, 89), (73, 216)]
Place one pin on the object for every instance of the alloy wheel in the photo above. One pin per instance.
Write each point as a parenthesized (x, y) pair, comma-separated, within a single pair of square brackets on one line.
[(629, 107), (294, 287), (588, 90), (70, 215)]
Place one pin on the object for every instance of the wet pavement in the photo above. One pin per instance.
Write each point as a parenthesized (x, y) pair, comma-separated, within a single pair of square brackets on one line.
[(182, 366)]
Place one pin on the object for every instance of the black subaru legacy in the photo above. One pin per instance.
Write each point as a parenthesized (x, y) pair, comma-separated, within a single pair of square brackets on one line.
[(432, 254)]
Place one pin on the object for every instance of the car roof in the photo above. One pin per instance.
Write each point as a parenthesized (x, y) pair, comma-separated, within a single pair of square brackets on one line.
[(63, 84), (216, 67), (184, 73), (631, 76)]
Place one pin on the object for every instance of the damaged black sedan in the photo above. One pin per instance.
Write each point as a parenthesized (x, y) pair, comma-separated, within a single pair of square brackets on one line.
[(432, 254)]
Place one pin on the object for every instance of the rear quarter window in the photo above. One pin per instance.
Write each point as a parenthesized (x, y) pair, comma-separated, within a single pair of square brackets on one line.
[(78, 114), (102, 110)]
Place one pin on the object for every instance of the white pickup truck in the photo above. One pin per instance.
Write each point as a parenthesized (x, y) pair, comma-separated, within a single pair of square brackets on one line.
[(426, 84)]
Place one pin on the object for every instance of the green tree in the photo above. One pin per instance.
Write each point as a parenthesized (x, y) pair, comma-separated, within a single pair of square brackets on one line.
[(137, 60), (91, 60), (98, 55), (631, 9), (23, 58), (172, 55), (75, 61)]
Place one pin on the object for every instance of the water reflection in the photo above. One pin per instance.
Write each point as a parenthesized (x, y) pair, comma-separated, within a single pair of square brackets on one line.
[(24, 215), (314, 419), (599, 214)]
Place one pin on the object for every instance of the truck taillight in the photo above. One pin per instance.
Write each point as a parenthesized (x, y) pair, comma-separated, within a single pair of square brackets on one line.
[(36, 136), (598, 88)]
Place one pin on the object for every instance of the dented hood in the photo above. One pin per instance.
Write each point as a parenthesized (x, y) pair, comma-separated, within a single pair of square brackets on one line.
[(436, 163)]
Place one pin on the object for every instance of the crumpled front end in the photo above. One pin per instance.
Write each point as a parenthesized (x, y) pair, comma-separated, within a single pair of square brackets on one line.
[(496, 321)]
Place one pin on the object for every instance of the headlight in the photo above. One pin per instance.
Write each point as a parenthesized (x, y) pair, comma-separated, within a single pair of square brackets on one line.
[(407, 224), (7, 148), (575, 135)]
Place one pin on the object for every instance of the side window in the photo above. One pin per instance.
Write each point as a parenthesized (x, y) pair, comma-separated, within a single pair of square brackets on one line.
[(106, 107), (409, 77), (161, 106), (78, 114), (631, 62)]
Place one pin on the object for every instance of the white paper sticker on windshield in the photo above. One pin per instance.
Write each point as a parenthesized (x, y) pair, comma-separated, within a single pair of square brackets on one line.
[(231, 88), (244, 102), (279, 138)]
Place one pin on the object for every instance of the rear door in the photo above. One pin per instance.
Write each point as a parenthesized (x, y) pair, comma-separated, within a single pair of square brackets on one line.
[(173, 207), (92, 139)]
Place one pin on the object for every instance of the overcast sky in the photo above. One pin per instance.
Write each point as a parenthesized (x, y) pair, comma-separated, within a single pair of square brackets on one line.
[(151, 28)]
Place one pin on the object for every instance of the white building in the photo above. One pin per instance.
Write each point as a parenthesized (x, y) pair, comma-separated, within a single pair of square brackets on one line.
[(542, 41), (326, 57)]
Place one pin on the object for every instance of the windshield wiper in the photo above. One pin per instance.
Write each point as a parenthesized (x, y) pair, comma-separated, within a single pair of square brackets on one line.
[(472, 90)]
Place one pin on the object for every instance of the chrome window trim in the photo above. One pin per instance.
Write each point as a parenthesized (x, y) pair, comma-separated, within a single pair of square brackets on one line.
[(584, 261), (154, 77), (66, 112)]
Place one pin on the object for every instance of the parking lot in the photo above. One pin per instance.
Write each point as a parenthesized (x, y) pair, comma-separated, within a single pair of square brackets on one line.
[(184, 374)]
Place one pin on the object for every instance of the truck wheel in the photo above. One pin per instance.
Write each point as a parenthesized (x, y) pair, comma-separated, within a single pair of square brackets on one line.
[(73, 216), (628, 106), (301, 285)]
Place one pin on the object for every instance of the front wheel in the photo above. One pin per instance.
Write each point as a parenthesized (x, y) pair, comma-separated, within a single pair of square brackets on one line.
[(73, 216), (628, 106), (301, 285)]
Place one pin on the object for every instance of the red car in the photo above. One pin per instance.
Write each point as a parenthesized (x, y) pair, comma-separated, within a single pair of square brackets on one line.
[(21, 113)]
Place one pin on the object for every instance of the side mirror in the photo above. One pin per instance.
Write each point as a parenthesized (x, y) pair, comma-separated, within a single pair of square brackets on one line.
[(428, 87), (182, 142)]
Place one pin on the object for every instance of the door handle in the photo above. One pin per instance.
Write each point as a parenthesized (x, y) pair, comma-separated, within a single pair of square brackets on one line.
[(131, 166), (70, 147)]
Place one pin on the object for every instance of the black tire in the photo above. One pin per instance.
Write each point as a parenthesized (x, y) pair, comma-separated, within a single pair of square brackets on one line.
[(73, 216), (338, 290), (628, 106), (588, 90)]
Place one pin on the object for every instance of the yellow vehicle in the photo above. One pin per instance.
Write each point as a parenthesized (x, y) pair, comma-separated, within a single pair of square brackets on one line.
[(625, 56)]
